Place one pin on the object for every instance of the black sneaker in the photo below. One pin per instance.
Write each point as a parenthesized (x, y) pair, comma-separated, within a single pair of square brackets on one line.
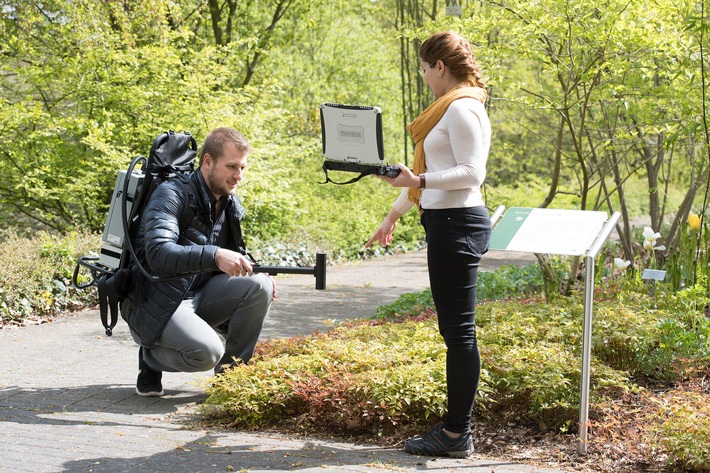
[(149, 380), (438, 444)]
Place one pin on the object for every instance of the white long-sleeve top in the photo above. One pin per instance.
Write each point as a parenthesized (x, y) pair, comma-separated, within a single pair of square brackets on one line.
[(456, 151)]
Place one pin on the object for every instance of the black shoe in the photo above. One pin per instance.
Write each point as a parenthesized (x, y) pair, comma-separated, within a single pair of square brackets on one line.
[(148, 383), (438, 444)]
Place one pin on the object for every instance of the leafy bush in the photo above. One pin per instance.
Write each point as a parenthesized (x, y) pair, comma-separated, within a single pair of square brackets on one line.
[(532, 355), (507, 280), (358, 377), (663, 338), (35, 274), (492, 285), (407, 305), (388, 375), (684, 431)]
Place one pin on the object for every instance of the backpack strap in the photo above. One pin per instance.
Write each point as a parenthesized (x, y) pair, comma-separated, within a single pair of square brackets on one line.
[(112, 287), (108, 302)]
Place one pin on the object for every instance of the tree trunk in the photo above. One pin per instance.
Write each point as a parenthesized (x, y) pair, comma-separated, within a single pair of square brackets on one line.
[(556, 166), (216, 16)]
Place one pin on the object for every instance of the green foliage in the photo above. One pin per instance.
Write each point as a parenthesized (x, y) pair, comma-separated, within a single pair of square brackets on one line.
[(492, 285), (509, 280), (688, 263), (664, 339), (587, 100), (35, 274), (684, 432), (85, 94), (88, 85), (407, 305), (531, 352), (124, 75), (368, 375), (357, 377)]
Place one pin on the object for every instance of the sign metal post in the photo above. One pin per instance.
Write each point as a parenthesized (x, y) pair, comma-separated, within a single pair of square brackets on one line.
[(560, 232)]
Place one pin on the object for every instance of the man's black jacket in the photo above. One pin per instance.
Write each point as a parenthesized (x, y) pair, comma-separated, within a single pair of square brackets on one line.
[(175, 237)]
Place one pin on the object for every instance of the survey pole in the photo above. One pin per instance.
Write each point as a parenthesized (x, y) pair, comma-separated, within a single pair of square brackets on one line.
[(587, 331)]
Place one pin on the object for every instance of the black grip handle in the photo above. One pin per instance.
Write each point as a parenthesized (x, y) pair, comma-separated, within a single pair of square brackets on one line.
[(318, 270)]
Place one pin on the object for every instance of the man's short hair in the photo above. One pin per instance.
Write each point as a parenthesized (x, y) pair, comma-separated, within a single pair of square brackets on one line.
[(219, 137)]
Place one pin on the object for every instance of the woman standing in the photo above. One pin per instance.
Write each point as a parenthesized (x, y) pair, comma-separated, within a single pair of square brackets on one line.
[(452, 138)]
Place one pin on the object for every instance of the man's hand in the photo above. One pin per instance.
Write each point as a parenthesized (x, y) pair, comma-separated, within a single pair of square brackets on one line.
[(273, 283), (233, 263)]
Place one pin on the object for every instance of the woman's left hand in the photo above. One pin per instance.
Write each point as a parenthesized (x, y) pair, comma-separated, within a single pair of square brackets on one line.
[(406, 178)]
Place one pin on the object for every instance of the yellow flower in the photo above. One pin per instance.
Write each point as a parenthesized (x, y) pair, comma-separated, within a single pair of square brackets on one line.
[(694, 221)]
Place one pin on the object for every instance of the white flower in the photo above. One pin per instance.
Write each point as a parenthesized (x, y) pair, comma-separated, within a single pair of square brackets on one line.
[(649, 235), (621, 264), (649, 240)]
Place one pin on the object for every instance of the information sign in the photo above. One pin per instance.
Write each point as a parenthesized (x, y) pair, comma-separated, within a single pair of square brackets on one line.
[(653, 274), (561, 232), (551, 231)]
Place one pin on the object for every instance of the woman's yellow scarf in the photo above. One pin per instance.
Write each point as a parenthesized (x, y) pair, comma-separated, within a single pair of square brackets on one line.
[(422, 125)]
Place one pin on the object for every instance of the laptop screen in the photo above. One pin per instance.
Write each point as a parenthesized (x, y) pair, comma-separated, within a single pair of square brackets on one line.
[(352, 133)]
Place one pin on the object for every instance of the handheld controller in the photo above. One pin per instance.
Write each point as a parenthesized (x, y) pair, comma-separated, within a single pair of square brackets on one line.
[(387, 170)]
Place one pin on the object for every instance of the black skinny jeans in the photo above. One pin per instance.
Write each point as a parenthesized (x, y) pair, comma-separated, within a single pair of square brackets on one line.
[(456, 239)]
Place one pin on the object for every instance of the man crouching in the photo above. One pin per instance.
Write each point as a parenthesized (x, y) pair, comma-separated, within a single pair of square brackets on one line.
[(191, 225)]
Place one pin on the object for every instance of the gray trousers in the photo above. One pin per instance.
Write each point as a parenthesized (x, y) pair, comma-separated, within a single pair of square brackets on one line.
[(190, 343)]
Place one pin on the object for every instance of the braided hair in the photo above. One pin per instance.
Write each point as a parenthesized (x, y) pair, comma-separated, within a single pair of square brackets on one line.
[(455, 52)]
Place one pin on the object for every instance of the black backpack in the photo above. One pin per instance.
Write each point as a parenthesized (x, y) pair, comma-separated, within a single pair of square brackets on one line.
[(171, 154)]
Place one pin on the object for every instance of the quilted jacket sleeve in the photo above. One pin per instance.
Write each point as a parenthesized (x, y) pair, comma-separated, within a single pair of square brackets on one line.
[(168, 249)]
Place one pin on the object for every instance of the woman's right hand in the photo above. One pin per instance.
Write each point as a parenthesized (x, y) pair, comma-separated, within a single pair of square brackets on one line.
[(384, 232)]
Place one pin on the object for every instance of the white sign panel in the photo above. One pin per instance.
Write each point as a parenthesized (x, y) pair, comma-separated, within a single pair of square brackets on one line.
[(653, 274), (550, 231)]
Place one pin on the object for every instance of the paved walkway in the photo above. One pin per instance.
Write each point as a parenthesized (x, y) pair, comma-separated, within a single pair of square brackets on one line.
[(67, 401)]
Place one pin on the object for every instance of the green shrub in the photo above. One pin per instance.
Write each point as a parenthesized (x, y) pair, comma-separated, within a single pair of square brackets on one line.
[(378, 376), (35, 274), (684, 432), (662, 338), (509, 280), (503, 282), (357, 377), (407, 305), (531, 351)]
